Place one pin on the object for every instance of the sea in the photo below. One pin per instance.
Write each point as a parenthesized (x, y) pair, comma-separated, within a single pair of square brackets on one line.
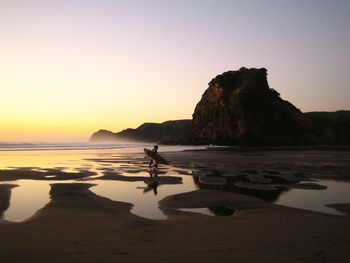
[(129, 147)]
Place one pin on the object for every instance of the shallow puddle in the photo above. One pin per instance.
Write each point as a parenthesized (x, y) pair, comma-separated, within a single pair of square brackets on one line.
[(316, 200), (26, 199)]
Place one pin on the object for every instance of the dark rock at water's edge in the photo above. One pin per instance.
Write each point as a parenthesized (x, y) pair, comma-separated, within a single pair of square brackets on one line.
[(178, 131), (239, 107)]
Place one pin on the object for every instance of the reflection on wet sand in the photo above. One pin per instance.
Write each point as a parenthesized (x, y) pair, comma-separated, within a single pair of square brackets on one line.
[(125, 177)]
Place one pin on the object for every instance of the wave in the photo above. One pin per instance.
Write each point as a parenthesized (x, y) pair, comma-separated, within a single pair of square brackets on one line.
[(62, 146), (87, 146)]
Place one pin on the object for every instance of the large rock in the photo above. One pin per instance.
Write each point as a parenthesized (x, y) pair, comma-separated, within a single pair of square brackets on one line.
[(240, 108)]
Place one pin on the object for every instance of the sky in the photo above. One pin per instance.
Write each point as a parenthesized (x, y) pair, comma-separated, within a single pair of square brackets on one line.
[(70, 68)]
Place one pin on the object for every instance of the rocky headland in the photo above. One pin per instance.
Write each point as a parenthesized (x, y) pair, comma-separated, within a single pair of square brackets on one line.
[(239, 108)]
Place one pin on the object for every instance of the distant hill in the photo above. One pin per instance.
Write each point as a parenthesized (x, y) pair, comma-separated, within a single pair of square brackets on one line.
[(334, 124), (177, 131)]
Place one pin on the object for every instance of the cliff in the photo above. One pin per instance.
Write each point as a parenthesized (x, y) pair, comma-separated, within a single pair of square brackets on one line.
[(178, 131), (240, 108)]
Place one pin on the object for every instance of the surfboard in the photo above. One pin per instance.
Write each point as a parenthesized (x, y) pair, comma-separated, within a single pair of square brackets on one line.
[(155, 156)]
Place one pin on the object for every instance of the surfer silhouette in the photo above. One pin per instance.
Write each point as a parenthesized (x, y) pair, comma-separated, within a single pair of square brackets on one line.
[(153, 163)]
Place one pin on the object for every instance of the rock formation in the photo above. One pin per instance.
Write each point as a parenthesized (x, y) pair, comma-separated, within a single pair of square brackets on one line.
[(237, 108), (240, 108)]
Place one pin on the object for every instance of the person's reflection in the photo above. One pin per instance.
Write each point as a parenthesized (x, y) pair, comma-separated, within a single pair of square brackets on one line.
[(152, 184)]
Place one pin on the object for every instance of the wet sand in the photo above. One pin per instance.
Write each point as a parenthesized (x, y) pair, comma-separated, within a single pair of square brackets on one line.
[(78, 225)]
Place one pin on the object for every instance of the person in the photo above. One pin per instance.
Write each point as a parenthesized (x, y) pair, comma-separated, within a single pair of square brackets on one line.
[(153, 163)]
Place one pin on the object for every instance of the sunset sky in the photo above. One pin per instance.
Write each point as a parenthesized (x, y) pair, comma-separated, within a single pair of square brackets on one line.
[(69, 68)]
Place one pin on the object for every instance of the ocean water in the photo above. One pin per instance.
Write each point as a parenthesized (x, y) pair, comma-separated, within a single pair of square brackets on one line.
[(128, 147)]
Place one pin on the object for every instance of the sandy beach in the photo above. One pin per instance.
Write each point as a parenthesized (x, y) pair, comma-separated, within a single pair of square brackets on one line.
[(79, 225)]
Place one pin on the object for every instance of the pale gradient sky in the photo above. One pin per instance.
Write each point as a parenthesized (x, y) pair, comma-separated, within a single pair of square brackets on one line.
[(69, 68)]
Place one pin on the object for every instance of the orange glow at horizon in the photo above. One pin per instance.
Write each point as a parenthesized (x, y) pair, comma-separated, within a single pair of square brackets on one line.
[(57, 102)]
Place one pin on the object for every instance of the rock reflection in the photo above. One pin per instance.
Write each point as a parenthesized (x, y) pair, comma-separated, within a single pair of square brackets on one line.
[(221, 210), (5, 197)]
